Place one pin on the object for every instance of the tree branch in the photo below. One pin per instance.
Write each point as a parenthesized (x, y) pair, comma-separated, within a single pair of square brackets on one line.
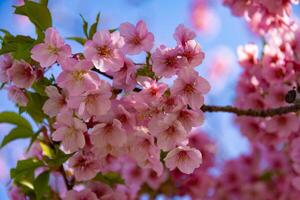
[(251, 112), (230, 109)]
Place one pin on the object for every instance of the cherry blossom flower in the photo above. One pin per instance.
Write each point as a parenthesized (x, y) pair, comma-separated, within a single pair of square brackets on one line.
[(100, 189), (168, 130), (283, 125), (93, 102), (110, 133), (76, 77), (191, 87), (184, 158), (105, 51), (193, 53), (85, 165), (183, 34), (17, 95), (85, 194), (6, 63), (56, 102), (248, 55), (52, 50), (22, 74), (125, 78), (137, 38), (167, 61), (69, 130)]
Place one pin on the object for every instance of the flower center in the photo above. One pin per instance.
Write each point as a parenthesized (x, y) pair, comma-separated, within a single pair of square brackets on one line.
[(189, 88), (78, 75), (136, 40), (52, 50), (104, 51), (170, 61)]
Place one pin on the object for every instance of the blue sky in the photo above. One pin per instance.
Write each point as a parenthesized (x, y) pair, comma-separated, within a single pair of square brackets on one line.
[(162, 17)]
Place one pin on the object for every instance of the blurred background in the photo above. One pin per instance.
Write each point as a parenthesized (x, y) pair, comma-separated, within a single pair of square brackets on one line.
[(218, 32)]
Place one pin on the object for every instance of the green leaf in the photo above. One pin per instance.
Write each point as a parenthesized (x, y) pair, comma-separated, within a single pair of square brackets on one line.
[(34, 106), (25, 169), (110, 178), (40, 86), (45, 2), (14, 118), (47, 150), (145, 71), (41, 186), (38, 13), (84, 26), (2, 85), (17, 133), (266, 176), (163, 154), (19, 46), (78, 39), (113, 30), (58, 158), (94, 26)]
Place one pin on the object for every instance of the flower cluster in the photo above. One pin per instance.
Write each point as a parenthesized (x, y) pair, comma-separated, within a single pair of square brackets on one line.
[(131, 120), (263, 15)]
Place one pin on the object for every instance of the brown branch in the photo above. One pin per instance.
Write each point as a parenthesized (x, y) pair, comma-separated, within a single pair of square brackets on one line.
[(63, 173), (251, 112), (230, 109)]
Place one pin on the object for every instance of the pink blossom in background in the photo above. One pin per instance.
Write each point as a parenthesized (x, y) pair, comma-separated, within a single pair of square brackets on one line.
[(221, 62), (200, 9), (16, 194), (137, 38), (52, 50), (22, 21)]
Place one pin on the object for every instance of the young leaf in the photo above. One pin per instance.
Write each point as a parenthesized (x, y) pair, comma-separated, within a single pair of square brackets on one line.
[(25, 168), (17, 133), (78, 39), (58, 159), (47, 150), (19, 46), (93, 28), (14, 118), (110, 178), (84, 26), (41, 186), (38, 13), (40, 85), (34, 106)]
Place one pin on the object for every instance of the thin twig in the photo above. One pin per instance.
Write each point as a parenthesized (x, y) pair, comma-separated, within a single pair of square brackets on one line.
[(230, 109), (251, 112)]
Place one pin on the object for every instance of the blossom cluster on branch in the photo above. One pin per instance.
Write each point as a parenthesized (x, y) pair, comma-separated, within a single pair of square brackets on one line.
[(112, 128)]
